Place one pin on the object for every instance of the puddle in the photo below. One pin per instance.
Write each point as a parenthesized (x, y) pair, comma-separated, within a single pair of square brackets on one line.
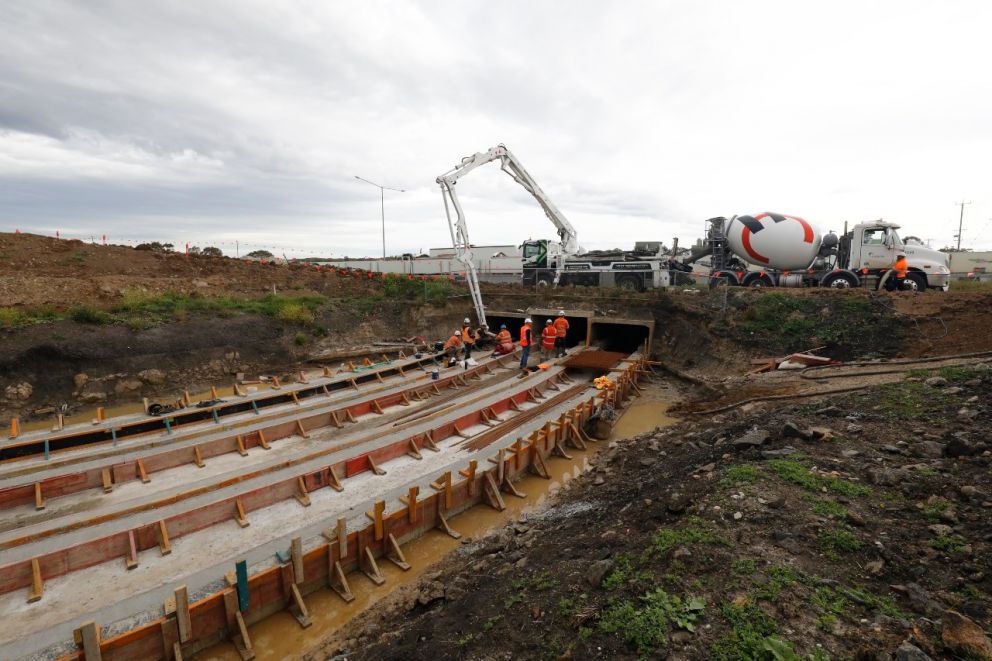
[(280, 638), (643, 415)]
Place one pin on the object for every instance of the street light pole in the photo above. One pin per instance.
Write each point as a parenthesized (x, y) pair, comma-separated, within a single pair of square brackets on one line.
[(382, 206), (960, 221)]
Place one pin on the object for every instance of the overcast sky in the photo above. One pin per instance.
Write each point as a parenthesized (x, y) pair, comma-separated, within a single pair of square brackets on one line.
[(217, 121)]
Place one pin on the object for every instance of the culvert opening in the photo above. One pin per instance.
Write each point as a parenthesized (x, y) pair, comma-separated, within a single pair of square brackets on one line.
[(620, 337)]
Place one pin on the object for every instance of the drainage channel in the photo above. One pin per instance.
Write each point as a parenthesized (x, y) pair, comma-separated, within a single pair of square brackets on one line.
[(354, 544)]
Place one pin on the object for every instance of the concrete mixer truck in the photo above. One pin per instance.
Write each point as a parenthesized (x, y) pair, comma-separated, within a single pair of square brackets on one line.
[(776, 250)]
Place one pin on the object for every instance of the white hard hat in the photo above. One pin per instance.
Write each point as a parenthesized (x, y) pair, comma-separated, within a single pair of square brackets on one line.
[(548, 321), (527, 320), (458, 332), (561, 313), (467, 320)]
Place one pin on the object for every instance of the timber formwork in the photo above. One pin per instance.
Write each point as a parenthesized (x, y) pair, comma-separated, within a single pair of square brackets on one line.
[(188, 627)]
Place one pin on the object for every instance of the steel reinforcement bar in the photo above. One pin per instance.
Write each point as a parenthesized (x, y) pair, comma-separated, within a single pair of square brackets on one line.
[(187, 628)]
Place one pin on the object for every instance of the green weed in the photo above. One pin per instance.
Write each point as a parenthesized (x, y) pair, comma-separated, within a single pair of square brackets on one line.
[(829, 508), (646, 627), (744, 567), (743, 474), (835, 542), (933, 510), (86, 315), (668, 538), (948, 543), (12, 318), (791, 470)]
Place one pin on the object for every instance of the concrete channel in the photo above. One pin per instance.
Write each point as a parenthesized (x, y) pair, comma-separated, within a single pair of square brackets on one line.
[(167, 541)]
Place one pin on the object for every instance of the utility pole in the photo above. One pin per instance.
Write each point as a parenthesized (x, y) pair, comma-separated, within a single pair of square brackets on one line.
[(382, 206), (961, 221)]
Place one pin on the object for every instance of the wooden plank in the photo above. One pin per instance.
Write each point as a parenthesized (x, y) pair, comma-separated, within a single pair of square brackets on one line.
[(108, 484), (410, 500), (492, 491), (239, 514), (302, 496), (296, 553), (88, 635), (164, 545), (342, 533), (395, 554), (241, 446), (469, 475), (39, 499), (333, 480), (241, 640), (298, 607), (37, 585), (376, 516), (262, 441), (338, 580), (442, 524), (300, 429), (131, 560), (182, 614), (373, 466), (370, 568), (142, 473), (413, 450)]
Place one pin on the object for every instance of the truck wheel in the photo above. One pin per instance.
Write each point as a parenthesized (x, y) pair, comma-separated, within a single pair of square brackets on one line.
[(839, 280), (916, 281), (628, 282), (721, 278), (760, 281), (544, 280)]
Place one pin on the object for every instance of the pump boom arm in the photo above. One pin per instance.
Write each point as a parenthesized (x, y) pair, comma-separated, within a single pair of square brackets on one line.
[(459, 229)]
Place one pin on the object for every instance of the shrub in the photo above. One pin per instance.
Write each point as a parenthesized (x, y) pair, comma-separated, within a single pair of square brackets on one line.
[(295, 313), (86, 315), (12, 318), (300, 339)]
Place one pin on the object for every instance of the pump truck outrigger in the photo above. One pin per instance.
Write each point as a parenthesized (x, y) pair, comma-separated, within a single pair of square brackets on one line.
[(790, 252)]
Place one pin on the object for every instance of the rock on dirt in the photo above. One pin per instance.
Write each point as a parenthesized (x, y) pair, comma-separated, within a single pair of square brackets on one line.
[(152, 377), (597, 572), (19, 392), (965, 637)]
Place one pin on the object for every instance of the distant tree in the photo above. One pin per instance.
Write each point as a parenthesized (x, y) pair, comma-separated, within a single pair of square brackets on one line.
[(211, 251), (155, 246), (195, 250), (167, 247), (259, 254)]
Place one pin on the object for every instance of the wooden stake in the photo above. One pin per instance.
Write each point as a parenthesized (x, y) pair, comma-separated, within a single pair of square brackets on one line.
[(537, 462), (142, 473), (443, 483), (353, 384), (492, 491), (303, 377), (373, 467), (37, 585), (406, 399), (186, 399), (14, 428), (241, 446), (302, 495), (296, 399), (413, 450), (244, 644), (296, 554), (370, 568), (300, 429), (376, 516), (410, 500), (333, 480), (39, 500), (88, 635), (334, 420), (182, 614), (239, 514), (338, 581), (326, 371), (131, 560), (442, 524), (108, 484), (100, 413), (351, 416), (457, 431), (376, 407), (197, 457), (508, 485), (298, 608), (164, 545), (394, 554), (342, 533), (275, 383), (262, 441), (469, 474), (512, 405), (429, 441)]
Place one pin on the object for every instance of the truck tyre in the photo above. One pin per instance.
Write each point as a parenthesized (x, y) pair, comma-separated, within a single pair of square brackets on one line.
[(916, 281), (544, 280), (839, 280), (759, 280), (728, 278), (629, 282)]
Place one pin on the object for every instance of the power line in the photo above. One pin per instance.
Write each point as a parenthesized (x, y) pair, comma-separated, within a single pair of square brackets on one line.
[(961, 220)]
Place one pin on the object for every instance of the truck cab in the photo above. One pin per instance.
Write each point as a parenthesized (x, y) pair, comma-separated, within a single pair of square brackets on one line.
[(875, 246)]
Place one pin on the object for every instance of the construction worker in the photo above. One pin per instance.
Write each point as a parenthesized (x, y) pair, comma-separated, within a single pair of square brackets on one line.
[(468, 337), (504, 342), (453, 346), (561, 327), (525, 342), (899, 272), (548, 338)]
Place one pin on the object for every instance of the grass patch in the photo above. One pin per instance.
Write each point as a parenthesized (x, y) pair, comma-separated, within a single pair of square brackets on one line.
[(668, 538), (743, 567), (829, 508), (743, 474), (948, 543), (12, 318), (646, 625), (835, 542), (779, 578), (933, 509), (83, 314), (300, 338), (792, 471), (913, 400)]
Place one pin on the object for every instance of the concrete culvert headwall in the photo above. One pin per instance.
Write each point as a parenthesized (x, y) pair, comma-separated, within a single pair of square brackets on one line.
[(621, 336)]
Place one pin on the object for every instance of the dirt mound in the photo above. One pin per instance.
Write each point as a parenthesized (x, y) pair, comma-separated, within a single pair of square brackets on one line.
[(40, 272), (840, 530)]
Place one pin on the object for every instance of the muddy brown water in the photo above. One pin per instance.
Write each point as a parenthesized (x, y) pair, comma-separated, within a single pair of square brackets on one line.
[(280, 638)]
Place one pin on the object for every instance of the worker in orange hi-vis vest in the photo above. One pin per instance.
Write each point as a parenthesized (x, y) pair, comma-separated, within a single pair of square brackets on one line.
[(548, 337), (526, 338), (561, 326), (504, 342), (453, 346), (468, 337)]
